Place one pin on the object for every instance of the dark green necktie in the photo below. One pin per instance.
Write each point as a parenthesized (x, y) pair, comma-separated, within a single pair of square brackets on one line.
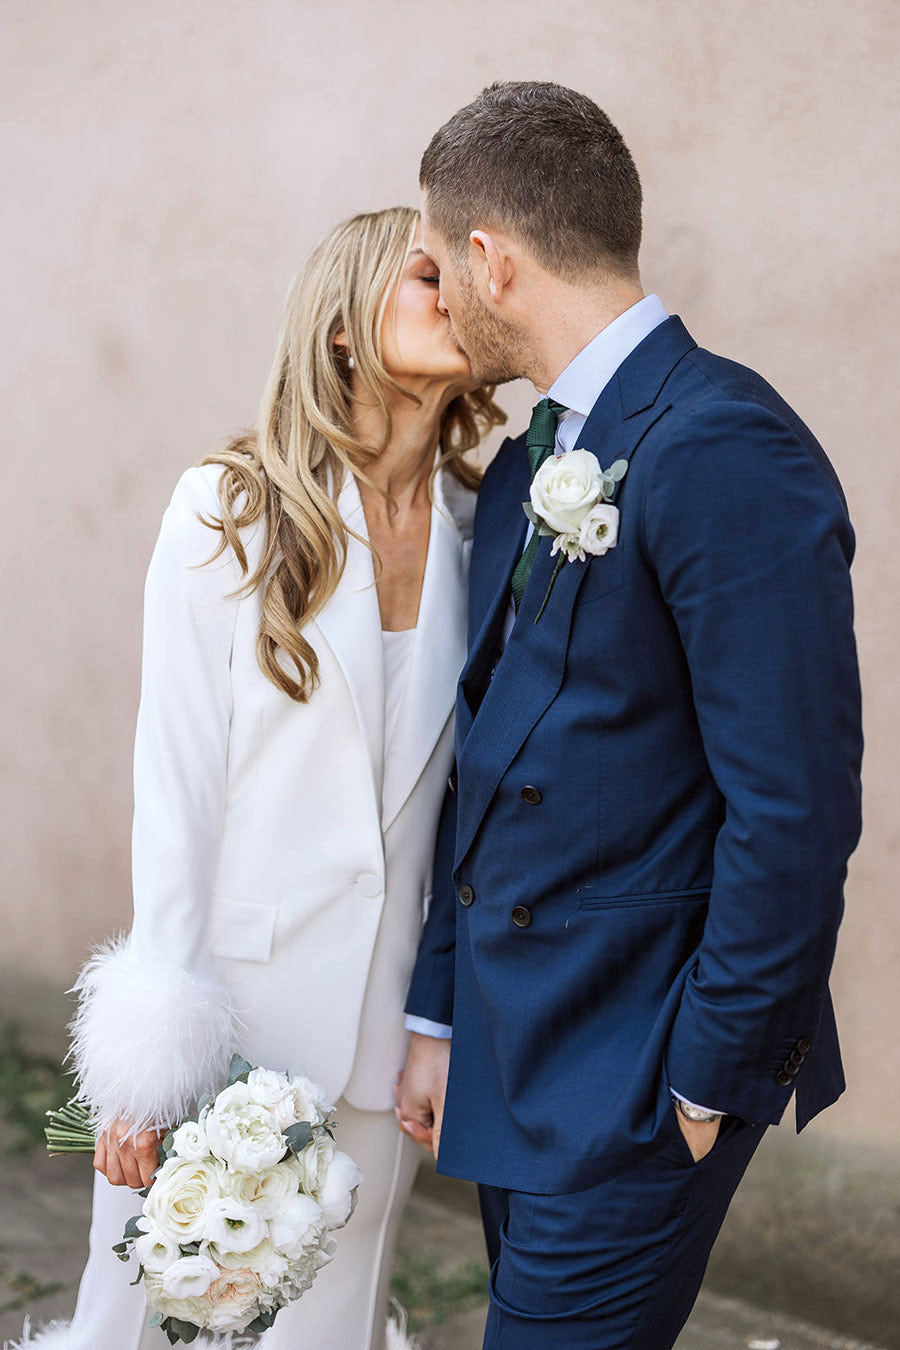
[(540, 441)]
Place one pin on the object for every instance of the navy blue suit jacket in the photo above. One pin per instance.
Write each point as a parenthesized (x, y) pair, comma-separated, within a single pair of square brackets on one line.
[(687, 708)]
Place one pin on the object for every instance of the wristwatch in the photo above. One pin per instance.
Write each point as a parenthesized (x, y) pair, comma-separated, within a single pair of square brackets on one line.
[(695, 1112)]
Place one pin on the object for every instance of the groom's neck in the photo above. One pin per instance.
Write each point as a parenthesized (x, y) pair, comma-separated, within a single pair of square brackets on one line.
[(566, 318)]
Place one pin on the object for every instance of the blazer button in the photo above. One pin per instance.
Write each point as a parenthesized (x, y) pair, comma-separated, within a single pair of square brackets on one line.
[(796, 1057), (521, 916), (532, 796), (783, 1079), (803, 1045), (369, 885), (466, 895)]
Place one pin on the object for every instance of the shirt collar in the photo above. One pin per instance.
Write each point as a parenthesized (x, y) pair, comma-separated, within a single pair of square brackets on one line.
[(584, 378)]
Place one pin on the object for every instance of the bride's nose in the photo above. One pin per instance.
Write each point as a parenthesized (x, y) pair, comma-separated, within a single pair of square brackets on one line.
[(442, 308)]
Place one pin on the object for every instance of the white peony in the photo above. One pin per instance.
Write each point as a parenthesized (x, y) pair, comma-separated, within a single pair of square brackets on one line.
[(337, 1192), (275, 1092), (155, 1250), (310, 1102), (564, 489), (190, 1142), (180, 1197), (190, 1277), (241, 1132), (299, 1228), (269, 1189), (599, 529), (233, 1226)]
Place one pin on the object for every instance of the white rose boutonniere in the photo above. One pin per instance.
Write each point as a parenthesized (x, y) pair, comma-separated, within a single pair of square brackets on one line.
[(571, 500)]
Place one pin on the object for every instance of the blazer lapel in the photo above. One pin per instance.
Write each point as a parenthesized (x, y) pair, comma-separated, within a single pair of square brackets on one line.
[(351, 625), (439, 650), (530, 672)]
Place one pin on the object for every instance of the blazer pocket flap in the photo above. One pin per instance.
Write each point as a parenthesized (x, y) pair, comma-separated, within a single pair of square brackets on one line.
[(242, 929)]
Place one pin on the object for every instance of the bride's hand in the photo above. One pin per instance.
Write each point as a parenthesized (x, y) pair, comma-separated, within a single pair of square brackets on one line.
[(131, 1162)]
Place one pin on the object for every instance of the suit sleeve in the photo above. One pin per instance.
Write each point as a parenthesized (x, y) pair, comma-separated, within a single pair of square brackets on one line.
[(431, 988), (748, 533), (155, 1027)]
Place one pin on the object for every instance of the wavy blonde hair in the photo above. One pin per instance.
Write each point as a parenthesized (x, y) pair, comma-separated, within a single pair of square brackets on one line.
[(289, 471)]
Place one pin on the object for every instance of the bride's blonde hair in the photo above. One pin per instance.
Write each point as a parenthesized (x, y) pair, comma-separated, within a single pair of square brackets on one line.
[(289, 471)]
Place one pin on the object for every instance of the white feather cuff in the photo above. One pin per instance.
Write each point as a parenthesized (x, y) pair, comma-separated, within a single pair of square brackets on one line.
[(149, 1037)]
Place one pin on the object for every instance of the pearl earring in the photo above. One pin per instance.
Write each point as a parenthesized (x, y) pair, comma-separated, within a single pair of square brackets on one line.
[(351, 363)]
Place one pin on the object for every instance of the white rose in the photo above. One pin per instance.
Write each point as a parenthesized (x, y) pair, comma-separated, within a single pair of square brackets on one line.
[(563, 490), (269, 1189), (232, 1226), (275, 1093), (189, 1141), (310, 1102), (337, 1193), (235, 1300), (315, 1161), (600, 529), (299, 1228), (155, 1250), (180, 1197), (189, 1277), (242, 1133)]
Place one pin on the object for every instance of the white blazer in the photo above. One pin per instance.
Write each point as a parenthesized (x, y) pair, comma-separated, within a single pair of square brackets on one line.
[(281, 860)]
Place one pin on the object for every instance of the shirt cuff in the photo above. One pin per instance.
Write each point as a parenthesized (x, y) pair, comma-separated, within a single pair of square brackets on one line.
[(422, 1027), (711, 1110)]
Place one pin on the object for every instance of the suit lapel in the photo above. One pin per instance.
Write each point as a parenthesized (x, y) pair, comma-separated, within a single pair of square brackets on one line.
[(351, 625), (439, 650), (530, 672)]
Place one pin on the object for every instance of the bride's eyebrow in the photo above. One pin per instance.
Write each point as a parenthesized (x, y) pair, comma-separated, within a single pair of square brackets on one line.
[(416, 253)]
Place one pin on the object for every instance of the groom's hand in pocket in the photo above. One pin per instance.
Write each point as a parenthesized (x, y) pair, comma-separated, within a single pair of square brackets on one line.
[(126, 1159), (421, 1088)]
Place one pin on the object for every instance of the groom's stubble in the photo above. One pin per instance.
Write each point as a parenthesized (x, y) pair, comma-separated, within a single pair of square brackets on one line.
[(497, 350)]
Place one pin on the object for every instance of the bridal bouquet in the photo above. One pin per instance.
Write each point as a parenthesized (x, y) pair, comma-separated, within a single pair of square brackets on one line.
[(236, 1222)]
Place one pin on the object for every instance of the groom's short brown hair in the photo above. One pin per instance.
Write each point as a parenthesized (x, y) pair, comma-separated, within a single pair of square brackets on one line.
[(544, 163)]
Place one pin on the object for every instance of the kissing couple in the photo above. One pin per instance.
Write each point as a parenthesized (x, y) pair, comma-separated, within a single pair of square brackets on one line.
[(551, 805)]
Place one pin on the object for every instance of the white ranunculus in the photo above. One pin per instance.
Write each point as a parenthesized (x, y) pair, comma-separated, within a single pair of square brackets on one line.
[(600, 529), (264, 1260), (269, 1189), (337, 1194), (156, 1250), (275, 1093), (194, 1310), (189, 1277), (235, 1300), (232, 1226), (241, 1132), (299, 1228), (190, 1142), (180, 1197), (564, 489), (310, 1102)]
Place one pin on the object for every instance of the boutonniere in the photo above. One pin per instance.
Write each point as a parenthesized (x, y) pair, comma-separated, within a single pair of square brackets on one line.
[(571, 502)]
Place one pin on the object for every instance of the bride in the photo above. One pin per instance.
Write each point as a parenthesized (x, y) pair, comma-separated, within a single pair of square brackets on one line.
[(304, 626)]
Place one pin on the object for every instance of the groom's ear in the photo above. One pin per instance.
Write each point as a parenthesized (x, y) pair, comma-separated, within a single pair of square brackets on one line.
[(493, 260)]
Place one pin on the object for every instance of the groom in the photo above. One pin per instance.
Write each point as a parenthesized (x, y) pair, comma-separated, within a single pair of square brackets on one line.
[(640, 865)]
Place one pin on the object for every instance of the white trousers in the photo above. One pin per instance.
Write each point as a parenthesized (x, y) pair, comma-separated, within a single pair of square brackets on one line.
[(344, 1310)]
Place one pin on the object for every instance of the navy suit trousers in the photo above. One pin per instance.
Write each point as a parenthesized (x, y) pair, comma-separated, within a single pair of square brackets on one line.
[(619, 1265)]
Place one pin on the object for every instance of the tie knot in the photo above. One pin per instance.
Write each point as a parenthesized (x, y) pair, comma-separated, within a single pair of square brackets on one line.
[(540, 438)]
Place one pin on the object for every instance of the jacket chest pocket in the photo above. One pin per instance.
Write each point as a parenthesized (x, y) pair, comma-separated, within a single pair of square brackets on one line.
[(241, 930), (606, 574)]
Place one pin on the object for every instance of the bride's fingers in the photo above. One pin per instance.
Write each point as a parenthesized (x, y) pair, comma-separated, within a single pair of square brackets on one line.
[(114, 1174), (125, 1151), (100, 1155), (147, 1151)]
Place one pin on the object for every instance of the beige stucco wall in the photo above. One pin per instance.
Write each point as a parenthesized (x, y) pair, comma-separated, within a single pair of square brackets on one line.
[(165, 168)]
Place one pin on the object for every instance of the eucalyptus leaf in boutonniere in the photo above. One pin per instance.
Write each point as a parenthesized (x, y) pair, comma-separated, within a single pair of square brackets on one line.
[(571, 503)]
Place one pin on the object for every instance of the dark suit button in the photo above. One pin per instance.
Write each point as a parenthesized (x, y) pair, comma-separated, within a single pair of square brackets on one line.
[(466, 895), (791, 1069), (532, 796), (803, 1045), (452, 782), (783, 1079), (796, 1057), (521, 916)]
